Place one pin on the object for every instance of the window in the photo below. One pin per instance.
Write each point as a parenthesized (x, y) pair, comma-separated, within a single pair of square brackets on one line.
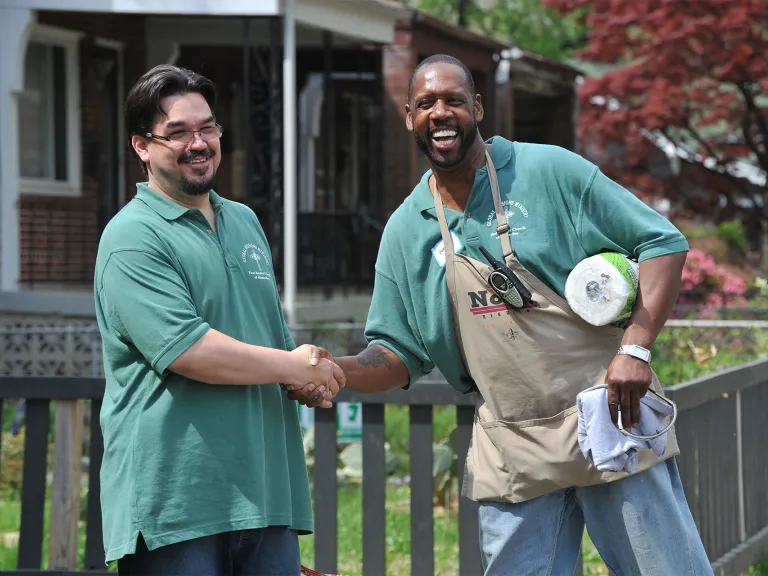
[(49, 114)]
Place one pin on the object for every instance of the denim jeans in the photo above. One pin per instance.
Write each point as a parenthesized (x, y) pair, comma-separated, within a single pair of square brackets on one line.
[(272, 551), (640, 525)]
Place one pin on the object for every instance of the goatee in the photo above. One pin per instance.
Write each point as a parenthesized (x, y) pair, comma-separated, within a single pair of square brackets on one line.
[(465, 138), (198, 187)]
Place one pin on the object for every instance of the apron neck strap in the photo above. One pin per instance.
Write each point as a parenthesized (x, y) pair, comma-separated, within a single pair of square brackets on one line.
[(503, 227), (447, 241)]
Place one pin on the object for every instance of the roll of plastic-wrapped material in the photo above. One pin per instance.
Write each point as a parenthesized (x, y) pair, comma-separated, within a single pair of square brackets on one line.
[(602, 289)]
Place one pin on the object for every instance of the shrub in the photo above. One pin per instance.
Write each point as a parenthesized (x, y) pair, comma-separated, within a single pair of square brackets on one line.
[(710, 285)]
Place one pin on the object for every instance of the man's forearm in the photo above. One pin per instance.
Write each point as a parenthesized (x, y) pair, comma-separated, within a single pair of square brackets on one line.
[(659, 287), (218, 359), (375, 369)]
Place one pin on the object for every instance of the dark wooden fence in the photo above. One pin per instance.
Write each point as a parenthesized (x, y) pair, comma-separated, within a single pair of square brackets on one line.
[(721, 430)]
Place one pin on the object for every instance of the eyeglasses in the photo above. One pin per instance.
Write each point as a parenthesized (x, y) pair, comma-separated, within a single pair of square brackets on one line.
[(188, 136)]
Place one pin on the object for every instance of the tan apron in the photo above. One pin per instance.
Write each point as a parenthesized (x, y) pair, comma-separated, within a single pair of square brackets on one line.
[(528, 365)]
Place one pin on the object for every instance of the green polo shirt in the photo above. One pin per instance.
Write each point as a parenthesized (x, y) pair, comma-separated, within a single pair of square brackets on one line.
[(560, 209), (183, 459)]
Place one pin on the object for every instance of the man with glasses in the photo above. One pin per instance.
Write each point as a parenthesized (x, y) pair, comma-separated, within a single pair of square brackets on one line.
[(203, 469)]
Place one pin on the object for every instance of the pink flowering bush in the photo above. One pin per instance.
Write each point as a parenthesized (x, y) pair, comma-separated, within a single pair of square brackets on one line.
[(708, 284), (699, 267)]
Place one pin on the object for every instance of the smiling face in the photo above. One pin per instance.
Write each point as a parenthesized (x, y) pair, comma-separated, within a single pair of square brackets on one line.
[(443, 114), (176, 167)]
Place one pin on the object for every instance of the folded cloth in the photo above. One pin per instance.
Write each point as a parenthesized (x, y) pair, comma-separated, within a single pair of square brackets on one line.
[(601, 441)]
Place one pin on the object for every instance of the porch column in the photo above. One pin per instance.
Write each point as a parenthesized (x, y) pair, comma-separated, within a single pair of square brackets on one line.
[(14, 32), (290, 205)]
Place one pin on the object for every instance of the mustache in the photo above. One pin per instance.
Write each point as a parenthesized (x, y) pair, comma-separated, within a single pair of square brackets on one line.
[(195, 154)]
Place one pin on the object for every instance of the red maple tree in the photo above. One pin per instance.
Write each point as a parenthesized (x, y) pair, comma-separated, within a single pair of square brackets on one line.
[(681, 111)]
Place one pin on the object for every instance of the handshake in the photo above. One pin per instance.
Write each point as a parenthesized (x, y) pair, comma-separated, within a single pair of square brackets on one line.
[(316, 377)]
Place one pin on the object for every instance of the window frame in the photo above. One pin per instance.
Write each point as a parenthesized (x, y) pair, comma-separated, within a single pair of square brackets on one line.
[(72, 186)]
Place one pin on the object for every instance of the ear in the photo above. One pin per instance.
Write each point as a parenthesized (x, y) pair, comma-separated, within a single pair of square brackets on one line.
[(479, 112), (140, 144), (408, 118)]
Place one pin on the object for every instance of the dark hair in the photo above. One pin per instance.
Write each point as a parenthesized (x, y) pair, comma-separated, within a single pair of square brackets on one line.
[(443, 59), (143, 103)]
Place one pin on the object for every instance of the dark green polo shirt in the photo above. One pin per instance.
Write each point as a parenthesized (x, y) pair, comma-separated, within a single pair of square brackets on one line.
[(560, 209), (183, 459)]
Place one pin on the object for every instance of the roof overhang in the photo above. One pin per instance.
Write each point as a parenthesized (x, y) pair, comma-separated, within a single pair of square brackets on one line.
[(168, 7), (366, 20)]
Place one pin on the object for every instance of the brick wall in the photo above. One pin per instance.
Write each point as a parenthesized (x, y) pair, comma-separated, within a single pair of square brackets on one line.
[(399, 150), (403, 163), (59, 235)]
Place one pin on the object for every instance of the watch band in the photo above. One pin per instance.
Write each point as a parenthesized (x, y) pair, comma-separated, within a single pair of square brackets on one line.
[(636, 351)]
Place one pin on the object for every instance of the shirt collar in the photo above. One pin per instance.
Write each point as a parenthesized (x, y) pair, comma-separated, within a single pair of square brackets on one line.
[(166, 207), (501, 154)]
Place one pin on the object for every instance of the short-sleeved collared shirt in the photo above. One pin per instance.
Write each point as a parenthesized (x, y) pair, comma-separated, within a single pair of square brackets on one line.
[(183, 459), (560, 209)]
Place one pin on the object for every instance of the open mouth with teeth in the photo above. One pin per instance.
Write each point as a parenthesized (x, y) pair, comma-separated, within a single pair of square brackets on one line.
[(444, 138), (198, 162)]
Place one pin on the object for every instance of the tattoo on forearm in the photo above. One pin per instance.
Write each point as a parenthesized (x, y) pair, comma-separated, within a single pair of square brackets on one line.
[(374, 356)]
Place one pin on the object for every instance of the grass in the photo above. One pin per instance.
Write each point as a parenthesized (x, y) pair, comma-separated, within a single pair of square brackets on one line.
[(10, 518), (398, 534)]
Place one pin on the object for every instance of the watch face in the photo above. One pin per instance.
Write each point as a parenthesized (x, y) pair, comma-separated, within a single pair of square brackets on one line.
[(637, 352)]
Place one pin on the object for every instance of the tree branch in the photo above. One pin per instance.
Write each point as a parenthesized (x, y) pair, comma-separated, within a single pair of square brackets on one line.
[(721, 167), (754, 111)]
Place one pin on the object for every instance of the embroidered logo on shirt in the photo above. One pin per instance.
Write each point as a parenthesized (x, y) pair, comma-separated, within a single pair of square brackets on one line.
[(511, 208), (256, 261)]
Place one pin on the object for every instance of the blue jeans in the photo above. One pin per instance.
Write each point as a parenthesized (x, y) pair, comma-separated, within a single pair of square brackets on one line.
[(641, 525), (272, 551)]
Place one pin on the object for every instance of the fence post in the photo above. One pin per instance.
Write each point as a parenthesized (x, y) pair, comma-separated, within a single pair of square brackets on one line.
[(65, 505), (740, 469)]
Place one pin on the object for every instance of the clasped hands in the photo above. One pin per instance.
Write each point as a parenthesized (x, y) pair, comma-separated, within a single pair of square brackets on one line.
[(317, 377)]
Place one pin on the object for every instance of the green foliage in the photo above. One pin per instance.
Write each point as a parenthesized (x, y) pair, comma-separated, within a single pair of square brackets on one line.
[(349, 463), (12, 464), (759, 569), (762, 285), (681, 354), (445, 459), (351, 459), (536, 28), (726, 242), (732, 233), (526, 23), (397, 424)]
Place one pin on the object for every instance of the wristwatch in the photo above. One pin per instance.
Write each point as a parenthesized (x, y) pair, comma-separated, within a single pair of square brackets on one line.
[(637, 351)]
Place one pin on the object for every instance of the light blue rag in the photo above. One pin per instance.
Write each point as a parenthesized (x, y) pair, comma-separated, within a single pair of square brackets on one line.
[(603, 444)]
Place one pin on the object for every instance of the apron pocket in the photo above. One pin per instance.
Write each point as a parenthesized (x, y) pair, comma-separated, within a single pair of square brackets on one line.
[(541, 455)]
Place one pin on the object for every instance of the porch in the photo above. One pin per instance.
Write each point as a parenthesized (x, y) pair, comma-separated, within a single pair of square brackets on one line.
[(352, 159), (72, 169)]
